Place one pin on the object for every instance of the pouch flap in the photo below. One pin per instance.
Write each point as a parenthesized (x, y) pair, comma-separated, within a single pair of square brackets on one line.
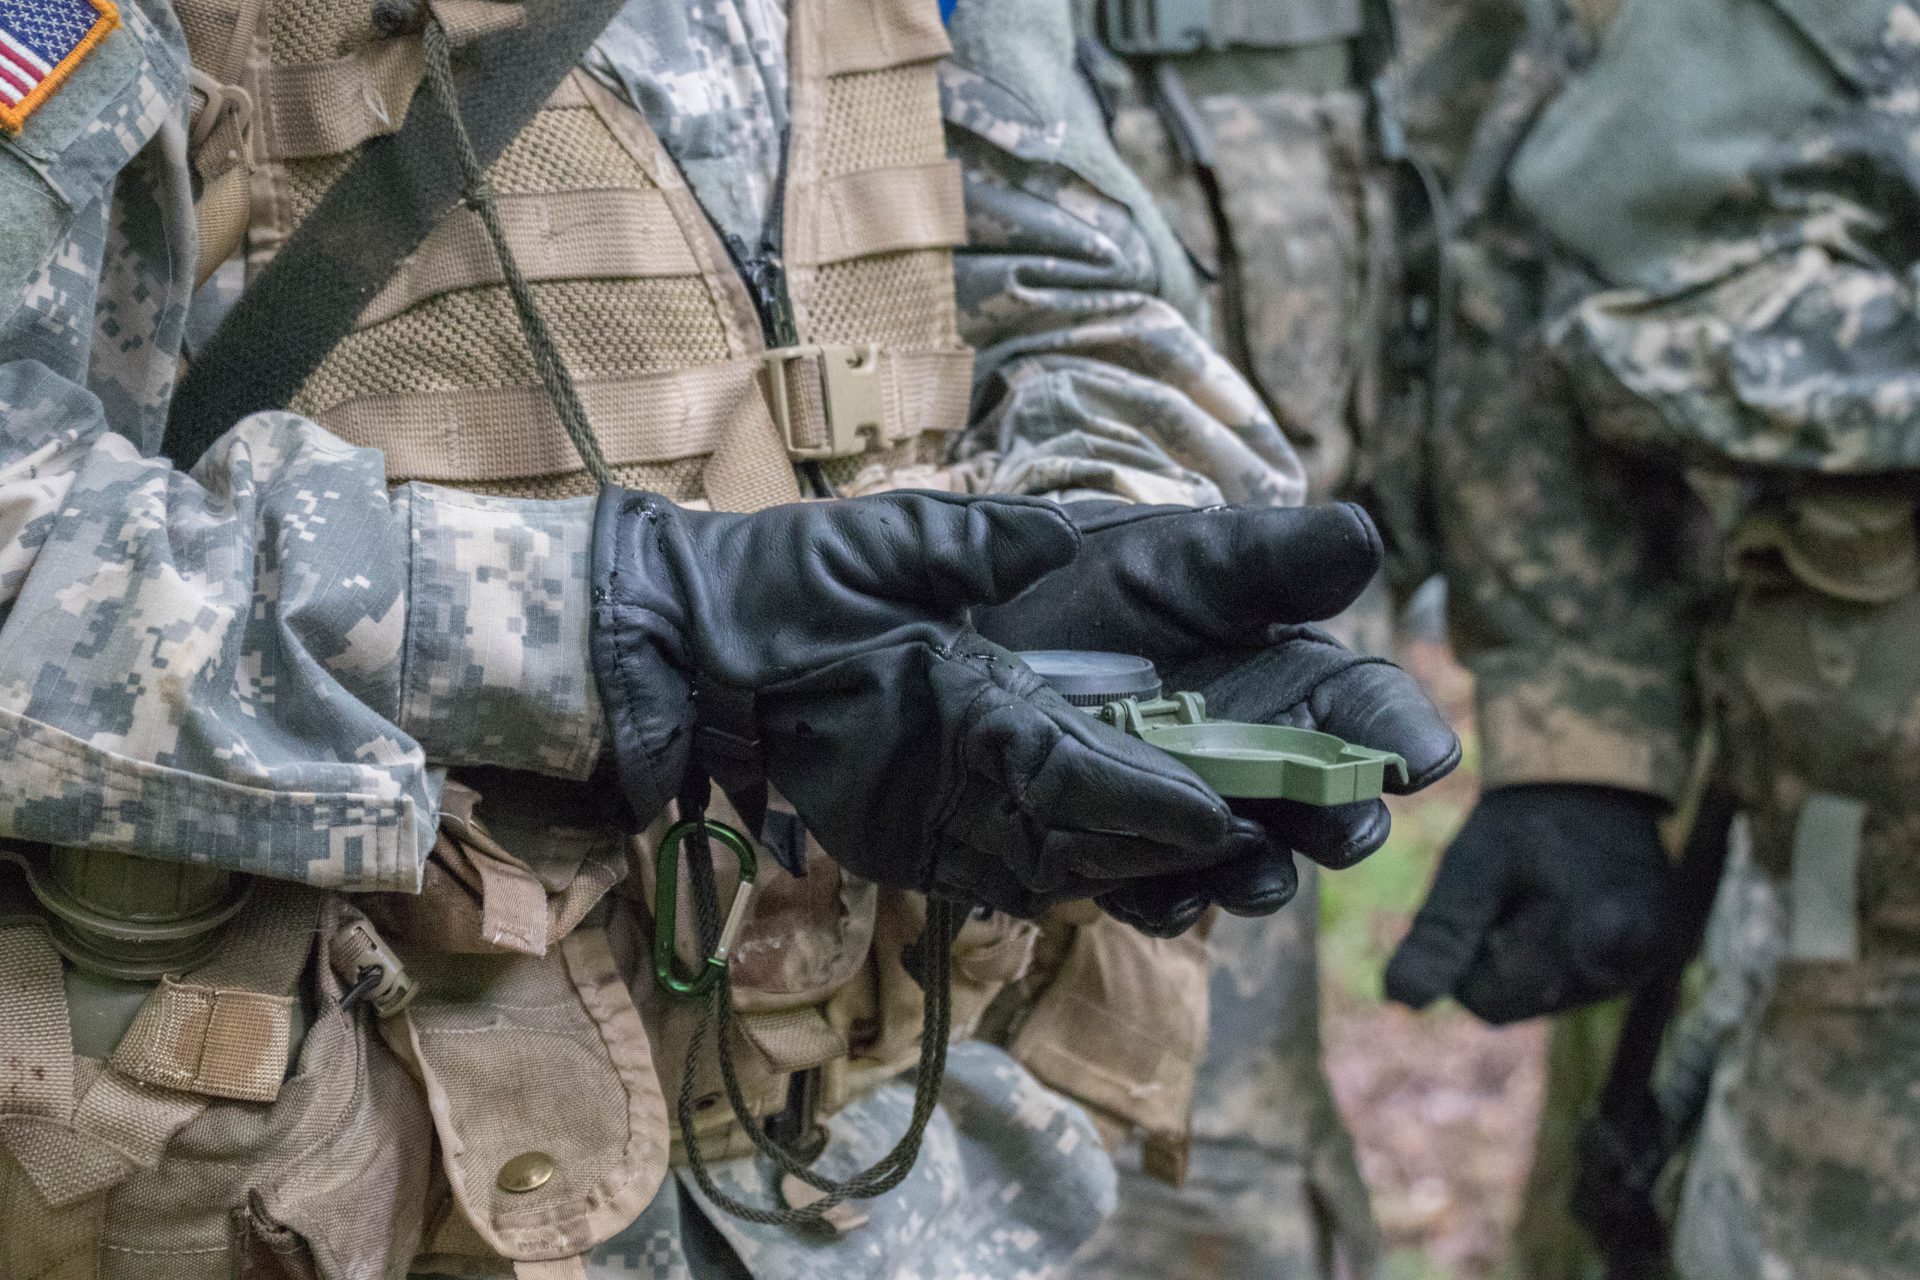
[(541, 1082)]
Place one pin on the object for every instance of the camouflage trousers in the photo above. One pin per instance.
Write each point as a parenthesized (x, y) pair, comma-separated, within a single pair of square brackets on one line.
[(1807, 1161)]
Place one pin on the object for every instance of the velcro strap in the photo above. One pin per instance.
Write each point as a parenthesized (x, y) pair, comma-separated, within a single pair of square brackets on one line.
[(1826, 878), (513, 902), (226, 1030), (223, 1044)]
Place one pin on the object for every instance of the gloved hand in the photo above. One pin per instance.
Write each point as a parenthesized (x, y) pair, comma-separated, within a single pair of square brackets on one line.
[(1214, 597), (920, 754), (1551, 897)]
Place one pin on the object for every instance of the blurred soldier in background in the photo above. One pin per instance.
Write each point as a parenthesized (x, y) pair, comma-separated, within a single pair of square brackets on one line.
[(1265, 133), (1675, 502)]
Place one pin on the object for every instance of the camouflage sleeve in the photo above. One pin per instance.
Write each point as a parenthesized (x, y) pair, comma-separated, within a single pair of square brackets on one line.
[(1757, 241), (1090, 378), (262, 663), (254, 664), (1565, 597)]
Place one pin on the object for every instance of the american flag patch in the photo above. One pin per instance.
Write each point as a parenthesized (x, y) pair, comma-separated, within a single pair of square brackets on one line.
[(41, 42)]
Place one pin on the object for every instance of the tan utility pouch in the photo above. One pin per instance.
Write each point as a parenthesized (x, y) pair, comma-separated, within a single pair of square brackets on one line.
[(881, 1015), (1122, 1028), (540, 1078), (232, 1167)]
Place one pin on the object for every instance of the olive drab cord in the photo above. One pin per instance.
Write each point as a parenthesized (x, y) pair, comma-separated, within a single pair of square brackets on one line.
[(943, 918), (477, 194), (934, 951)]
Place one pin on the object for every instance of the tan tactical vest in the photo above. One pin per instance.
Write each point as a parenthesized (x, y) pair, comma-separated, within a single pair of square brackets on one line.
[(539, 1049), (670, 348)]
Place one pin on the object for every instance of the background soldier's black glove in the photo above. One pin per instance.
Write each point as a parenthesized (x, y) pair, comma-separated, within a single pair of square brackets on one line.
[(1551, 897), (918, 753), (1213, 597)]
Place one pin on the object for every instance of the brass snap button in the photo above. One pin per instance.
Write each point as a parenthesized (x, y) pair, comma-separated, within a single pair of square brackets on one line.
[(528, 1171)]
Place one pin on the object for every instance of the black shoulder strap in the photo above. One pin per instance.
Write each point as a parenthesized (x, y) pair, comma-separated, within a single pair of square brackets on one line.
[(376, 214)]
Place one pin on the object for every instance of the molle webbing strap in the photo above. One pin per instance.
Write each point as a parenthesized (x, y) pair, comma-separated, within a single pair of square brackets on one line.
[(378, 212)]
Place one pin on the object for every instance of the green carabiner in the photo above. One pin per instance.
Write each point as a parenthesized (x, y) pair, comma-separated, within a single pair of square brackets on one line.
[(666, 905)]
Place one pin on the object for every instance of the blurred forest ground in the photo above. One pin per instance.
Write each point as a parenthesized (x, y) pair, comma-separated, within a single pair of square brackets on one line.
[(1442, 1108)]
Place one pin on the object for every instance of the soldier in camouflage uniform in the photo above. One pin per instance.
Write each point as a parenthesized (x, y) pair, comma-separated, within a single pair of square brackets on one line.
[(268, 664), (1677, 504), (1253, 124)]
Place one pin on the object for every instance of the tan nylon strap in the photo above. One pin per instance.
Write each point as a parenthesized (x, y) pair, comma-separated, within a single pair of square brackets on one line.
[(36, 1066), (218, 39), (227, 1032), (574, 1268), (507, 433), (68, 1151), (513, 903), (320, 108), (887, 210), (793, 1039), (868, 35), (584, 235), (750, 471), (119, 1126), (467, 20)]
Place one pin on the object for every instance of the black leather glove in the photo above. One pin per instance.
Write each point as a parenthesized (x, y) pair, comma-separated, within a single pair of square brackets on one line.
[(1551, 897), (920, 754), (1213, 597)]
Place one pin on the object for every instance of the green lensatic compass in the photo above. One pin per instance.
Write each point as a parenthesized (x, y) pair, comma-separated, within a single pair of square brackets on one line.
[(1240, 761)]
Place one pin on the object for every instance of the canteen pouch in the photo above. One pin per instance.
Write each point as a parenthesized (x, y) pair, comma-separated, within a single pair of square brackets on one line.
[(1823, 692), (321, 1175)]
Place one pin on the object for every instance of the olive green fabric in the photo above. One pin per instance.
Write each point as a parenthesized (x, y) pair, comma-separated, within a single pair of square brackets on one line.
[(1632, 164)]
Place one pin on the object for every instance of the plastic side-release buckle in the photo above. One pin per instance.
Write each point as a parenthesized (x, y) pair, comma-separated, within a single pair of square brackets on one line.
[(850, 396)]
